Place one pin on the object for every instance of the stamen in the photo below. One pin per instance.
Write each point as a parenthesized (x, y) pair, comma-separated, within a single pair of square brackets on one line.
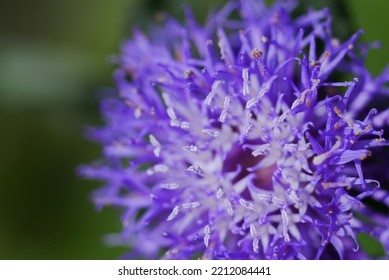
[(224, 113), (262, 150), (324, 57), (225, 48), (272, 199), (358, 167), (211, 132), (191, 148), (138, 112), (207, 232), (285, 223), (212, 94), (191, 205), (256, 245), (195, 169), (255, 236), (253, 231), (228, 206), (188, 73), (328, 185), (170, 186), (247, 205), (220, 193), (185, 125), (246, 82), (170, 112), (157, 146), (158, 168), (256, 54), (173, 214), (265, 88), (319, 159)]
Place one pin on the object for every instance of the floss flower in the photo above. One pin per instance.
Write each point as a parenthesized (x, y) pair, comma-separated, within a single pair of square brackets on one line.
[(236, 140)]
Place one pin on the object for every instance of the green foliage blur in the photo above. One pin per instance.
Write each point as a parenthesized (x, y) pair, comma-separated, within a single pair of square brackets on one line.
[(53, 64)]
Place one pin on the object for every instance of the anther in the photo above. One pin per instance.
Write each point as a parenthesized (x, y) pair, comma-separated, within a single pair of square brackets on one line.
[(256, 54)]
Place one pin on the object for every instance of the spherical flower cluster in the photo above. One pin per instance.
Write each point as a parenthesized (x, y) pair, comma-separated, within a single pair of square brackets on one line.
[(235, 140)]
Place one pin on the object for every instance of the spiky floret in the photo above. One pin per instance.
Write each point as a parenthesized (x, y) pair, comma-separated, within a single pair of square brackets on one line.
[(233, 140)]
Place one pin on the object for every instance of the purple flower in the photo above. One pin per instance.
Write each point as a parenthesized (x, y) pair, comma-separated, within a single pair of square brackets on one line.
[(237, 140)]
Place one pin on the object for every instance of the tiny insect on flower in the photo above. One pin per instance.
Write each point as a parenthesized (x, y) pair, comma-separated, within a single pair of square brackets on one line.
[(235, 140)]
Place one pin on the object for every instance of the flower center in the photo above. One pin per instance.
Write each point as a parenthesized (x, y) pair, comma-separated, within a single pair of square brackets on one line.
[(243, 160)]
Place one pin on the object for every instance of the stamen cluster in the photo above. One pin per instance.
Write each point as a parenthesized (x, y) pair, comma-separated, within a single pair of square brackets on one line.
[(235, 140)]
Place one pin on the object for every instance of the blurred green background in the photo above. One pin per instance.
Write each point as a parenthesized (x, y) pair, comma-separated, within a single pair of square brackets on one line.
[(53, 63)]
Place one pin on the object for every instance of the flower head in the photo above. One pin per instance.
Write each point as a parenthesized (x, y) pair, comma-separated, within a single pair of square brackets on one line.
[(235, 140)]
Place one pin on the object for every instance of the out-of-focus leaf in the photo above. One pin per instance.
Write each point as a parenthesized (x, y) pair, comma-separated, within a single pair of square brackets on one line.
[(38, 73), (373, 18), (371, 245)]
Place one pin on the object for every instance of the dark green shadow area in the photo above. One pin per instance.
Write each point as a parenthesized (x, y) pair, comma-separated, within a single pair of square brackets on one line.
[(371, 246), (53, 63)]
